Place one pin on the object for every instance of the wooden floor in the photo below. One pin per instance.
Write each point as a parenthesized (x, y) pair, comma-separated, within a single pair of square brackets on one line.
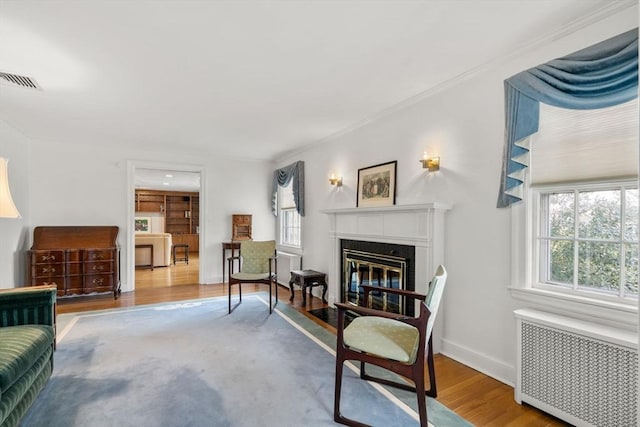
[(474, 396)]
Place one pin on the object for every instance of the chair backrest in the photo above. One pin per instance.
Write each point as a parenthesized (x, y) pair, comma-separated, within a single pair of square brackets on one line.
[(255, 255), (434, 296)]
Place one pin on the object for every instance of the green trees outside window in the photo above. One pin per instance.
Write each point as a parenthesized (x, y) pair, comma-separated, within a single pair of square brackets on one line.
[(588, 239)]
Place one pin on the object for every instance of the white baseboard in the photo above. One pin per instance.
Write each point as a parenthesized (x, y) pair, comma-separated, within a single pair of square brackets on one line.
[(494, 368)]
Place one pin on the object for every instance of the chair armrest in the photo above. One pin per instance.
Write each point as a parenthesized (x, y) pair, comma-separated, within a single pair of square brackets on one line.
[(419, 322), (365, 311), (408, 294), (34, 305)]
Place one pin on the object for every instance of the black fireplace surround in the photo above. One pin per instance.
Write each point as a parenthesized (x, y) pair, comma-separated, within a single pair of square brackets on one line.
[(377, 264)]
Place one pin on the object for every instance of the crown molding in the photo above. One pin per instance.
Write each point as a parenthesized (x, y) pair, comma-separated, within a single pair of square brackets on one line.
[(606, 10)]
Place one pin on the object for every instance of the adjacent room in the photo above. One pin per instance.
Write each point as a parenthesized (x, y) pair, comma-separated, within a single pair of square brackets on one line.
[(283, 213)]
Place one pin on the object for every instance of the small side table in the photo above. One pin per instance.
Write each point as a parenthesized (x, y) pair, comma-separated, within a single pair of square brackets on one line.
[(150, 265), (185, 255), (233, 246), (308, 279)]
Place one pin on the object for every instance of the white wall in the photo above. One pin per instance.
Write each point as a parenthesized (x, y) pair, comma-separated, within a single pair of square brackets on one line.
[(87, 185), (464, 125)]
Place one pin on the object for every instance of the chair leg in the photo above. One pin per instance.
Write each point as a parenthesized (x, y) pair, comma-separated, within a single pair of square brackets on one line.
[(337, 390), (433, 391), (239, 294), (337, 416), (422, 400)]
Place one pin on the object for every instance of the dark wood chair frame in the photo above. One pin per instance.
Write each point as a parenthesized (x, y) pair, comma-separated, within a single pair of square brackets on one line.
[(272, 279), (414, 371)]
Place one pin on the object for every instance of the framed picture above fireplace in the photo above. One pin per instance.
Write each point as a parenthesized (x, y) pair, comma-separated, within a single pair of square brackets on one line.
[(377, 185)]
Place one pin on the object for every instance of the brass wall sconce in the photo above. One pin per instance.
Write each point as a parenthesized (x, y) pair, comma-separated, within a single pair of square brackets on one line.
[(430, 163), (335, 181)]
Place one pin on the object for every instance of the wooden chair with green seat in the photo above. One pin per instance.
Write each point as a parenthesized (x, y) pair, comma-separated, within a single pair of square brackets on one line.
[(392, 341), (258, 264)]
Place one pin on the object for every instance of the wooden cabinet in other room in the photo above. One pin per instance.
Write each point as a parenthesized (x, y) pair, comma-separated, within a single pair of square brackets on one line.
[(181, 211), (178, 214), (149, 201)]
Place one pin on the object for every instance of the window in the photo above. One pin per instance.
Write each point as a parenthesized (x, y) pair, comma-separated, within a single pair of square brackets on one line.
[(575, 234), (586, 239), (289, 221)]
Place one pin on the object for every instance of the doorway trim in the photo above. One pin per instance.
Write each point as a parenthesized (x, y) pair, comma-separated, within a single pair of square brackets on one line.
[(132, 165)]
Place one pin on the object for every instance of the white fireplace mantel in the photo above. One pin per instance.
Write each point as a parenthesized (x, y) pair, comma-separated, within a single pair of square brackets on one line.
[(421, 226)]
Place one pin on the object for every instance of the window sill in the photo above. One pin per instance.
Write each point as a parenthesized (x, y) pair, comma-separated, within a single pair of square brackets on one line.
[(296, 250), (600, 312)]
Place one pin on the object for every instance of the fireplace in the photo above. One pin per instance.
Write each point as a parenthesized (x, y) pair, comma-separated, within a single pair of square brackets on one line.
[(420, 227), (378, 264)]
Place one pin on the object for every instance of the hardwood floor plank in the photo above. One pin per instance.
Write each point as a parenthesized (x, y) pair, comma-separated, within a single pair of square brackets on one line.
[(480, 399)]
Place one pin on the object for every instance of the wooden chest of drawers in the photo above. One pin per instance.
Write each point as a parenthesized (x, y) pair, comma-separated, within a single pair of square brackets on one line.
[(90, 267)]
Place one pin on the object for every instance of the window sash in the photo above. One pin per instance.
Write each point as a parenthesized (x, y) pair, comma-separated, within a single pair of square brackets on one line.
[(543, 241), (290, 227)]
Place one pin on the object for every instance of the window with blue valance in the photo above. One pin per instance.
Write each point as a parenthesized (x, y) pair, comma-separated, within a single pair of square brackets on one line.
[(599, 76), (294, 174)]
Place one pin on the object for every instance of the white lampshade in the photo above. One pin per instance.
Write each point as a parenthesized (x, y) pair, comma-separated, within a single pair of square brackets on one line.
[(7, 207)]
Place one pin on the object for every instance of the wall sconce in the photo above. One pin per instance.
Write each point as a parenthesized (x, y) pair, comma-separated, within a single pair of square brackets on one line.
[(335, 181), (7, 207), (430, 163)]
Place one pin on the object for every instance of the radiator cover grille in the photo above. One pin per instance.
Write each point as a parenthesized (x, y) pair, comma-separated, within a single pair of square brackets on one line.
[(590, 380)]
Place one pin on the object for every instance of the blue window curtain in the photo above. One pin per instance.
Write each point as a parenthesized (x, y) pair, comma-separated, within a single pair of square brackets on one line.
[(599, 76), (282, 177)]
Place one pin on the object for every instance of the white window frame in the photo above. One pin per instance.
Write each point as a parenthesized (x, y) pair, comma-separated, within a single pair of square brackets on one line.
[(280, 227), (538, 260), (525, 286)]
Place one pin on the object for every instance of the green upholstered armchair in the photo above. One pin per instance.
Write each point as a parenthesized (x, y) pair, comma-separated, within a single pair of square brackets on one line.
[(258, 264), (392, 341), (27, 342)]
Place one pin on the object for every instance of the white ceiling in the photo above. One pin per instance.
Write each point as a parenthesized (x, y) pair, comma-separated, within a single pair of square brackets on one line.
[(246, 79), (168, 180)]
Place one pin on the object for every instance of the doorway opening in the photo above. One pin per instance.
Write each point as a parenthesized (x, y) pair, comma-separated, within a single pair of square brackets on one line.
[(165, 232)]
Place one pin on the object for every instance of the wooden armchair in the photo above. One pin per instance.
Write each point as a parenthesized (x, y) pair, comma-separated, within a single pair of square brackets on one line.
[(392, 341), (258, 263)]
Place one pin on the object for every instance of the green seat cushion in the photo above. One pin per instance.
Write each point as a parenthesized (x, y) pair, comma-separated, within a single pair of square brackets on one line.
[(20, 348), (249, 277), (383, 337)]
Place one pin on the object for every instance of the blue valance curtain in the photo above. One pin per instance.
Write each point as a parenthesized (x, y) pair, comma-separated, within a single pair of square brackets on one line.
[(282, 177), (599, 76)]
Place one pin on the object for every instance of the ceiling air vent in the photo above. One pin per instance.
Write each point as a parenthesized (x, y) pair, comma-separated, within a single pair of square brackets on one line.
[(16, 80)]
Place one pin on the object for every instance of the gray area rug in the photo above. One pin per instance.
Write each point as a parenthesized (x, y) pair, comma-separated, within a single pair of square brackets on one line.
[(192, 364)]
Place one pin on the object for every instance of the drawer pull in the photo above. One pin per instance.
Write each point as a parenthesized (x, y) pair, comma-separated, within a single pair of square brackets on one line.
[(48, 269), (97, 256), (98, 267), (98, 281), (48, 257)]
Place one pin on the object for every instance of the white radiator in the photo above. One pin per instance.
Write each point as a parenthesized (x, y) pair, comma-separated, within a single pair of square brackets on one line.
[(580, 372), (287, 262)]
